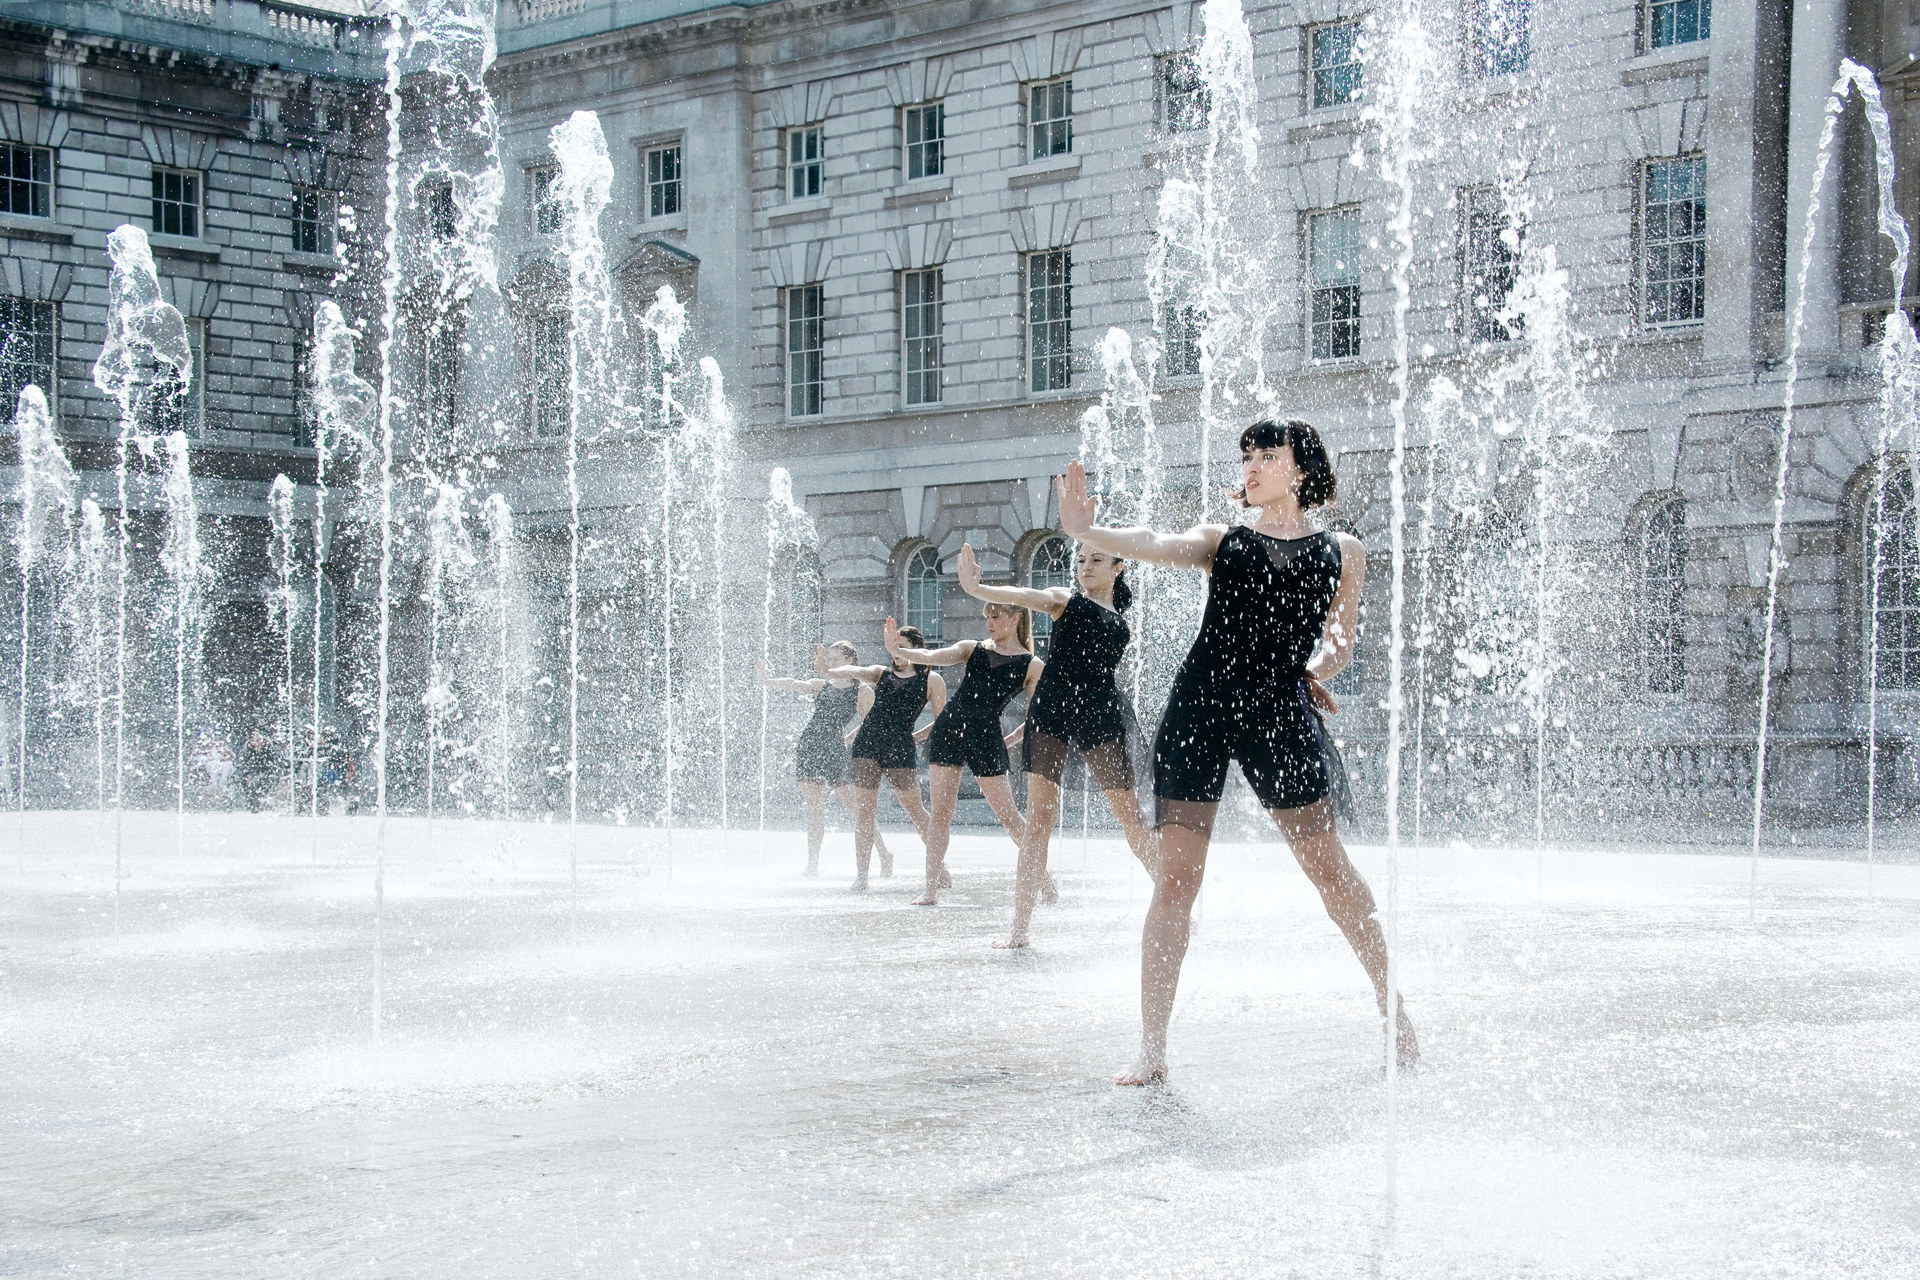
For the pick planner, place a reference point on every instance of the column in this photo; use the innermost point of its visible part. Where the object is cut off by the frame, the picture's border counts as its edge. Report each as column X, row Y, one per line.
column 1732, row 195
column 1819, row 28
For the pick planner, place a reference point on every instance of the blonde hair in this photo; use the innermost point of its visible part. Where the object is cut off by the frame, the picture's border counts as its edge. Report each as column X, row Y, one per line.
column 1024, row 629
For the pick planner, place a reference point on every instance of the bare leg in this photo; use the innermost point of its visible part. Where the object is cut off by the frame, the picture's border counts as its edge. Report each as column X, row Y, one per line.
column 999, row 794
column 848, row 796
column 814, row 793
column 866, row 805
column 906, row 789
column 1144, row 843
column 1043, row 806
column 1163, row 942
column 944, row 790
column 1316, row 846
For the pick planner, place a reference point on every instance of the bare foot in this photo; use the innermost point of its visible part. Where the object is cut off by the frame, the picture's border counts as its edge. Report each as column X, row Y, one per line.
column 813, row 870
column 1143, row 1072
column 946, row 878
column 860, row 885
column 1011, row 944
column 1406, row 1044
column 1049, row 891
column 886, row 866
column 926, row 900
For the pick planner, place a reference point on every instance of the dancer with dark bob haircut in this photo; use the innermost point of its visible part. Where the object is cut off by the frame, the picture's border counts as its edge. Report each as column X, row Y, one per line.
column 1283, row 597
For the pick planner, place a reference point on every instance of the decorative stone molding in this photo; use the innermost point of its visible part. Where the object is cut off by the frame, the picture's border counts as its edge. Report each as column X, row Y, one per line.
column 177, row 148
column 653, row 264
column 1665, row 129
column 1049, row 54
column 324, row 170
column 32, row 125
column 65, row 56
column 34, row 279
column 1174, row 30
column 197, row 299
column 1050, row 226
column 268, row 90
column 922, row 80
column 923, row 245
column 803, row 263
column 797, row 104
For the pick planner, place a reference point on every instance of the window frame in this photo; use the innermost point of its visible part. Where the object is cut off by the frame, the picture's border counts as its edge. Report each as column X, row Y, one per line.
column 1316, row 101
column 1651, row 12
column 1662, row 620
column 440, row 210
column 1058, row 361
column 1196, row 97
column 1480, row 324
column 916, row 611
column 814, row 165
column 1181, row 325
column 324, row 222
column 1901, row 515
column 1483, row 61
column 1643, row 273
column 1031, row 576
column 925, row 149
column 1350, row 323
column 661, row 190
column 545, row 217
column 927, row 342
column 1059, row 126
column 10, row 385
column 33, row 184
column 808, row 392
column 545, row 333
column 197, row 207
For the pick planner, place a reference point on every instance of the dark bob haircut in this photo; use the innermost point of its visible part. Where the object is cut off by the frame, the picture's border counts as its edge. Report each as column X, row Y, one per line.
column 914, row 640
column 1317, row 481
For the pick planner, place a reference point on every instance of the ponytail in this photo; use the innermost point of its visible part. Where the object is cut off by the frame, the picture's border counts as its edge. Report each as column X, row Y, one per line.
column 1122, row 593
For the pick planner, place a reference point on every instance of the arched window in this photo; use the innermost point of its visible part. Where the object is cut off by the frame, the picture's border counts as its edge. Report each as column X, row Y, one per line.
column 1663, row 584
column 806, row 590
column 1893, row 555
column 926, row 594
column 1050, row 565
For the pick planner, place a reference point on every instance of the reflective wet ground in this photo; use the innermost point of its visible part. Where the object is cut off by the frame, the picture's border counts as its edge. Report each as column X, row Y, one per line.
column 732, row 1070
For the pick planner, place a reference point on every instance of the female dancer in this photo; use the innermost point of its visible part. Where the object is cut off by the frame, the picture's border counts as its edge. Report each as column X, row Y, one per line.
column 967, row 733
column 820, row 760
column 885, row 745
column 1279, row 623
column 1075, row 707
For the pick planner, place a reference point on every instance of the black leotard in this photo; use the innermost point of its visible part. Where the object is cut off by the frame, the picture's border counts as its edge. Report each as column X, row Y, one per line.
column 820, row 752
column 1239, row 694
column 886, row 735
column 968, row 731
column 1076, row 705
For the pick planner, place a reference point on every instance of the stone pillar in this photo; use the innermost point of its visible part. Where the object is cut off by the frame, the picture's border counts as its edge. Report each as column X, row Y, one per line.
column 1733, row 196
column 1819, row 31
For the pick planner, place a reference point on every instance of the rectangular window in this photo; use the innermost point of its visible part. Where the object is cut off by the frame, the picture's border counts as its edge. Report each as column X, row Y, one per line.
column 176, row 202
column 543, row 361
column 1333, row 278
column 1050, row 118
column 443, row 216
column 1050, row 320
column 1674, row 218
column 27, row 345
column 1184, row 101
column 805, row 169
column 663, row 181
column 920, row 334
column 543, row 208
column 312, row 220
column 1672, row 22
column 440, row 349
column 1501, row 43
column 1491, row 262
column 805, row 350
column 1184, row 323
column 1333, row 63
column 306, row 409
column 26, row 182
column 926, row 134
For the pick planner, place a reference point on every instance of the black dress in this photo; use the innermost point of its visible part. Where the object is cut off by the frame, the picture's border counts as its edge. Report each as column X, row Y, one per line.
column 1077, row 706
column 820, row 753
column 886, row 735
column 1240, row 694
column 967, row 734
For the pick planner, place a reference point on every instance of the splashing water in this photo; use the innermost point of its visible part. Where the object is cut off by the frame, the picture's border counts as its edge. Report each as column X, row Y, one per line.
column 498, row 516
column 182, row 557
column 713, row 437
column 449, row 559
column 789, row 528
column 283, row 608
column 145, row 357
column 666, row 324
column 45, row 495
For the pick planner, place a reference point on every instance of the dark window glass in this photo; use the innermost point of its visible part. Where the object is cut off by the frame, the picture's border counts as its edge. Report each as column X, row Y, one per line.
column 312, row 221
column 920, row 334
column 663, row 182
column 1492, row 262
column 1333, row 54
column 27, row 346
column 176, row 203
column 1501, row 43
column 1679, row 21
column 1050, row 118
column 806, row 174
column 926, row 595
column 1333, row 270
column 26, row 181
column 1663, row 583
column 926, row 131
column 805, row 351
column 1185, row 323
column 1675, row 241
column 1184, row 101
column 1051, row 566
column 1050, row 320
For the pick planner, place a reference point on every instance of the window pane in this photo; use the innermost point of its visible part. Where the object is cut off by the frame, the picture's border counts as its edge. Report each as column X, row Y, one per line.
column 920, row 331
column 926, row 131
column 1502, row 45
column 1334, row 63
column 1492, row 262
column 926, row 595
column 1051, row 566
column 1049, row 320
column 1679, row 21
column 1333, row 268
column 1184, row 324
column 1184, row 101
column 805, row 364
column 1663, row 572
column 26, row 347
column 1674, row 251
column 1050, row 113
column 26, row 181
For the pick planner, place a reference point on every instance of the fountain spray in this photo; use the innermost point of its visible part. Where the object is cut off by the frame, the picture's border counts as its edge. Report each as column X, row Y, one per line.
column 46, row 509
column 145, row 354
column 666, row 321
column 283, row 605
column 180, row 555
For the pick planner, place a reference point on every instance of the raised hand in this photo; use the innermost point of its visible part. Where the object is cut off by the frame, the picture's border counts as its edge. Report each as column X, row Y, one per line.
column 1077, row 506
column 969, row 568
column 892, row 635
column 820, row 660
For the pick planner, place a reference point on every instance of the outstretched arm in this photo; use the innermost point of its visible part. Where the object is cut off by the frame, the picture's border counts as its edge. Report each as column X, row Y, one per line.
column 958, row 651
column 1342, row 630
column 863, row 703
column 1052, row 601
column 1190, row 550
column 786, row 685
